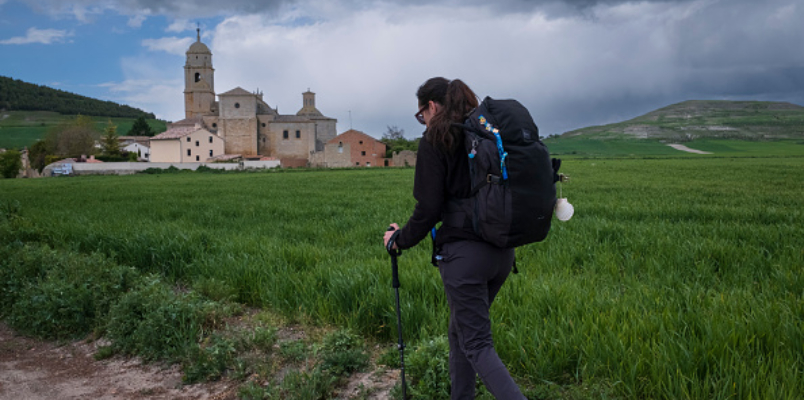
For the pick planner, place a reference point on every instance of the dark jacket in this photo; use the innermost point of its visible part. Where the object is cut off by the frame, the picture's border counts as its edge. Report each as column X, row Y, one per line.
column 440, row 176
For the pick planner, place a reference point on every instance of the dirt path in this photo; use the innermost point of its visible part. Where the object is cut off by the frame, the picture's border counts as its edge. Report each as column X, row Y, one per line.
column 687, row 149
column 32, row 370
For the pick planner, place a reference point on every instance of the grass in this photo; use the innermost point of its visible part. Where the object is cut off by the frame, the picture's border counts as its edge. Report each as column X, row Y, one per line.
column 23, row 128
column 590, row 147
column 676, row 278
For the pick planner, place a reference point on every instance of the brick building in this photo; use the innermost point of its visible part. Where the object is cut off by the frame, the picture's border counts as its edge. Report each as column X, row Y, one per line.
column 351, row 149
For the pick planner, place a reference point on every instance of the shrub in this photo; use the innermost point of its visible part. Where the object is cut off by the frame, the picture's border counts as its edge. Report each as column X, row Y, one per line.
column 253, row 391
column 342, row 353
column 155, row 323
column 428, row 370
column 56, row 294
column 10, row 164
column 209, row 362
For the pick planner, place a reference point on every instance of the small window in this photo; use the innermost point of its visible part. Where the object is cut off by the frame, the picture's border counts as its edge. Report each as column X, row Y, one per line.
column 197, row 76
column 263, row 124
column 298, row 134
column 197, row 158
column 361, row 142
column 285, row 134
column 386, row 163
column 188, row 139
column 357, row 163
column 210, row 139
column 198, row 143
column 189, row 153
column 214, row 125
column 210, row 153
column 368, row 164
column 340, row 147
column 237, row 105
column 362, row 153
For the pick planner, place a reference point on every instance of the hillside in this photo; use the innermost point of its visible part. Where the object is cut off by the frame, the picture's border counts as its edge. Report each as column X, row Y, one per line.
column 697, row 119
column 16, row 95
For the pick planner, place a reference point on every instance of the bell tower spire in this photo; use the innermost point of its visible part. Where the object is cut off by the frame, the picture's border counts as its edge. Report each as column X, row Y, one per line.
column 199, row 80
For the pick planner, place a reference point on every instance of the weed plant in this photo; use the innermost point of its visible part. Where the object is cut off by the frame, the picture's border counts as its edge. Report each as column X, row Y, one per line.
column 676, row 278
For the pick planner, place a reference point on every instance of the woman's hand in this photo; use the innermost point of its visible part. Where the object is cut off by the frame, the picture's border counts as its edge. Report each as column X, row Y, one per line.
column 388, row 235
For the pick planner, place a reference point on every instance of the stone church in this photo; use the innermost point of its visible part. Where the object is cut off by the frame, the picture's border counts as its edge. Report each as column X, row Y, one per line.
column 247, row 125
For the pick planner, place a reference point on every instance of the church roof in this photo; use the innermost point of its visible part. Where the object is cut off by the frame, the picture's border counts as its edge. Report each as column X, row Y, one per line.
column 238, row 91
column 198, row 47
column 351, row 132
column 309, row 111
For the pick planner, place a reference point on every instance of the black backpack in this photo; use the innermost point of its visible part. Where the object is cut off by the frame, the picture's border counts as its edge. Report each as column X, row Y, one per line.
column 513, row 177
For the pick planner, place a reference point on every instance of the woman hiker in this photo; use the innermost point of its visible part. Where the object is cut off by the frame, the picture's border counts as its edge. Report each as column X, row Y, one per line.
column 472, row 270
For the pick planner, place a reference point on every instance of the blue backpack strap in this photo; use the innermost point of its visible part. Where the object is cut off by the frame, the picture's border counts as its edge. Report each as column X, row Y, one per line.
column 434, row 257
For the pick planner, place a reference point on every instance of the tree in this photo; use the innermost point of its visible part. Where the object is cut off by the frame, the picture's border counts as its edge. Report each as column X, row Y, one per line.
column 37, row 153
column 109, row 142
column 10, row 163
column 394, row 139
column 394, row 133
column 73, row 138
column 140, row 128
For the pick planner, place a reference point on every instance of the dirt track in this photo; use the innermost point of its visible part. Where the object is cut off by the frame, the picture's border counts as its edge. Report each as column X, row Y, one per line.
column 32, row 370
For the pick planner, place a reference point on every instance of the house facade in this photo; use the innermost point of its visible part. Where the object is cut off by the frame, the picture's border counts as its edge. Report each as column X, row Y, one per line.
column 186, row 141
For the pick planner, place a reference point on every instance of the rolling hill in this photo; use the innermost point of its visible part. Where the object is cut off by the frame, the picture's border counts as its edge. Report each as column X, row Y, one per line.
column 707, row 119
column 29, row 111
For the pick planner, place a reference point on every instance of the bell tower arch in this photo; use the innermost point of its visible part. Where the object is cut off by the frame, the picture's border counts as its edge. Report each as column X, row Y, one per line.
column 199, row 80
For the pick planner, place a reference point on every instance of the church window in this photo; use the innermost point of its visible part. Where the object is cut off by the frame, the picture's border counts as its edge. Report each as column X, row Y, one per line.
column 285, row 134
column 362, row 153
column 197, row 76
column 340, row 147
column 197, row 143
column 210, row 153
column 189, row 153
column 298, row 134
column 197, row 158
column 237, row 105
column 188, row 139
column 210, row 139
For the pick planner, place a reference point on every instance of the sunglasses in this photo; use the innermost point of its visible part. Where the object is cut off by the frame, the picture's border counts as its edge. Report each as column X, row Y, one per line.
column 419, row 116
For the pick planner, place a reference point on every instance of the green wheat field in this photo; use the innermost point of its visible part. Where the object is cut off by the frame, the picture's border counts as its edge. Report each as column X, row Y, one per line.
column 677, row 278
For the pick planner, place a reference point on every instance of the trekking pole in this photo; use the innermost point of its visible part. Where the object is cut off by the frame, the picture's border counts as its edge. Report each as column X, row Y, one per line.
column 395, row 274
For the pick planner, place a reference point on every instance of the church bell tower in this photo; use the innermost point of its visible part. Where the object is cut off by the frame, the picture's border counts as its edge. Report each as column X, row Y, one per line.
column 199, row 80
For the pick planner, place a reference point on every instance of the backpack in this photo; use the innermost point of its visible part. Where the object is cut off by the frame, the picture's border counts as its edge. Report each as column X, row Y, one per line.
column 512, row 177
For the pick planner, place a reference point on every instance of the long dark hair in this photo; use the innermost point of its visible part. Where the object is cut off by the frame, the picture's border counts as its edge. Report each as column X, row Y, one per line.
column 456, row 101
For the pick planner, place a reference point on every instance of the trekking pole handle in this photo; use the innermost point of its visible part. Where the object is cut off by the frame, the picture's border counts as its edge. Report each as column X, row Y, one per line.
column 394, row 253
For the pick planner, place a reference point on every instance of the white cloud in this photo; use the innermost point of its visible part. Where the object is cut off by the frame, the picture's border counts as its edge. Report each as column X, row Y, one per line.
column 41, row 36
column 172, row 45
column 137, row 20
column 180, row 25
column 615, row 60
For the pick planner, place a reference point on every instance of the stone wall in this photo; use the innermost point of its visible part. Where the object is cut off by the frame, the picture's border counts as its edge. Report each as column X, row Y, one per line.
column 404, row 158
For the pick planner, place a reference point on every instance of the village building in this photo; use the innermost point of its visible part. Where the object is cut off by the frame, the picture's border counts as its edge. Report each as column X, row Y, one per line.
column 186, row 141
column 352, row 149
column 245, row 124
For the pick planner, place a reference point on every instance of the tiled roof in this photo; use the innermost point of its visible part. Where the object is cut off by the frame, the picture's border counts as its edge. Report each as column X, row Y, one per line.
column 238, row 91
column 176, row 132
column 351, row 132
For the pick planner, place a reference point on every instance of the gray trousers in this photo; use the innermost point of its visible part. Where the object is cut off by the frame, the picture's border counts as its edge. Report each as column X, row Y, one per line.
column 473, row 273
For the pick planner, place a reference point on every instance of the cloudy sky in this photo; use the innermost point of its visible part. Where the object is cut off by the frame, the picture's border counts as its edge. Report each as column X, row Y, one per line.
column 573, row 63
